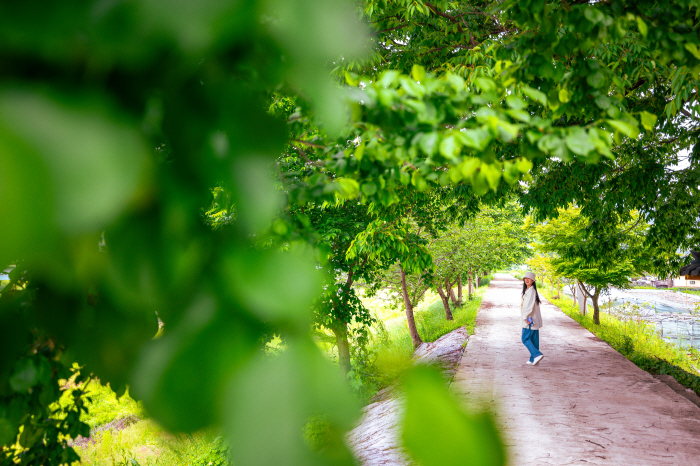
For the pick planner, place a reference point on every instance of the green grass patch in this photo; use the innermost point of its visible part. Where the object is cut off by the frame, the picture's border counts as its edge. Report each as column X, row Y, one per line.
column 146, row 444
column 103, row 405
column 391, row 348
column 686, row 290
column 638, row 341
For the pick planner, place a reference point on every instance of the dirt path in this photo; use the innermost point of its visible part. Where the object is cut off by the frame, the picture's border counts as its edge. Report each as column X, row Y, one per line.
column 583, row 404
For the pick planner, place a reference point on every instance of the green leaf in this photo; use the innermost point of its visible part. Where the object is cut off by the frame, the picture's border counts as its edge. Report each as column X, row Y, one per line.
column 521, row 115
column 412, row 87
column 515, row 102
column 579, row 142
column 417, row 72
column 477, row 139
column 523, row 165
column 553, row 145
column 469, row 166
column 648, row 120
column 692, row 48
column 485, row 84
column 449, row 147
column 389, row 78
column 564, row 96
column 534, row 94
column 24, row 376
column 352, row 79
column 436, row 431
column 642, row 26
column 268, row 404
column 492, row 172
column 596, row 79
column 369, row 189
column 625, row 128
column 428, row 143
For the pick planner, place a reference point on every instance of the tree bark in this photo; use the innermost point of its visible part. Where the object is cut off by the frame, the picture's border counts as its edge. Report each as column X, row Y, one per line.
column 469, row 284
column 596, row 309
column 459, row 290
column 341, row 337
column 445, row 302
column 409, row 311
column 452, row 294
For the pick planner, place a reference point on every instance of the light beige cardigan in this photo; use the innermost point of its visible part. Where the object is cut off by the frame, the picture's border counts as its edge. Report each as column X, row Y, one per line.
column 530, row 308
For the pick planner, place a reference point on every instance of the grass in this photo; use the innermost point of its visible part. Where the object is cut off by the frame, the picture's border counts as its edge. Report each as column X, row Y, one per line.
column 638, row 341
column 391, row 347
column 686, row 290
column 146, row 444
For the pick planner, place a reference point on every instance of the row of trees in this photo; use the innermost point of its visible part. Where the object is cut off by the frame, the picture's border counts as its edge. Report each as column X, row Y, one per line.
column 460, row 254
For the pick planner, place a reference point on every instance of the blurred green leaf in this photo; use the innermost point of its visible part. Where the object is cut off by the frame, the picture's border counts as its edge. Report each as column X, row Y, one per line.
column 436, row 431
column 648, row 120
column 271, row 400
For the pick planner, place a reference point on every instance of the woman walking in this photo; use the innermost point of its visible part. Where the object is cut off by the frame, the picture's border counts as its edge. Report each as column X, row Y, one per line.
column 532, row 319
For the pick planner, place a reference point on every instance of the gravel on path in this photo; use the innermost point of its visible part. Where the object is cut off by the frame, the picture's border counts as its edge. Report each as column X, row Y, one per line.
column 584, row 403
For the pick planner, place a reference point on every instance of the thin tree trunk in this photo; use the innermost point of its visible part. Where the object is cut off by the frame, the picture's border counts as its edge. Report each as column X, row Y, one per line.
column 596, row 309
column 409, row 311
column 452, row 295
column 459, row 290
column 445, row 302
column 469, row 284
column 341, row 336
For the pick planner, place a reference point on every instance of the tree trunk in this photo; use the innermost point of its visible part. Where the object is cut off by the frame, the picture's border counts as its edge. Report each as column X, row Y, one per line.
column 469, row 284
column 460, row 297
column 478, row 281
column 445, row 302
column 341, row 337
column 596, row 310
column 409, row 311
column 452, row 295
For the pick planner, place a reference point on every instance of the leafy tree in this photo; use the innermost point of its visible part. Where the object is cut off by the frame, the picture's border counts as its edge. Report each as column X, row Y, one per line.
column 542, row 265
column 568, row 231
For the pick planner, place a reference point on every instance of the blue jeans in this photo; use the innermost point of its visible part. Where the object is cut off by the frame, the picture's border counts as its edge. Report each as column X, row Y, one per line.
column 531, row 340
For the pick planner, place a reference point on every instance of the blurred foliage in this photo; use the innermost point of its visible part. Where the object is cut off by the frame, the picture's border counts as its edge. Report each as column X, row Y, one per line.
column 116, row 121
column 438, row 432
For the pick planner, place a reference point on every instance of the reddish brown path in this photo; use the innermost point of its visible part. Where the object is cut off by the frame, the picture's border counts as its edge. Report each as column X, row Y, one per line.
column 583, row 404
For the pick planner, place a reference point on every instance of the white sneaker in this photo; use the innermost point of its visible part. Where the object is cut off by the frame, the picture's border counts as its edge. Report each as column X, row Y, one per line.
column 529, row 363
column 538, row 359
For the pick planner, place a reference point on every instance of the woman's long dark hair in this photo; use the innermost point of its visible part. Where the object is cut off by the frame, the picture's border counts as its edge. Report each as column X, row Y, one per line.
column 534, row 285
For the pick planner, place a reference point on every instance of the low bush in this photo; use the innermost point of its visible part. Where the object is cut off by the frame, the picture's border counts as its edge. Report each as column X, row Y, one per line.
column 485, row 280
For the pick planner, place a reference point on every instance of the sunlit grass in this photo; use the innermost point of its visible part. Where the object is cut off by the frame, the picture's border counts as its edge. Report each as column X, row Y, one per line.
column 391, row 343
column 146, row 444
